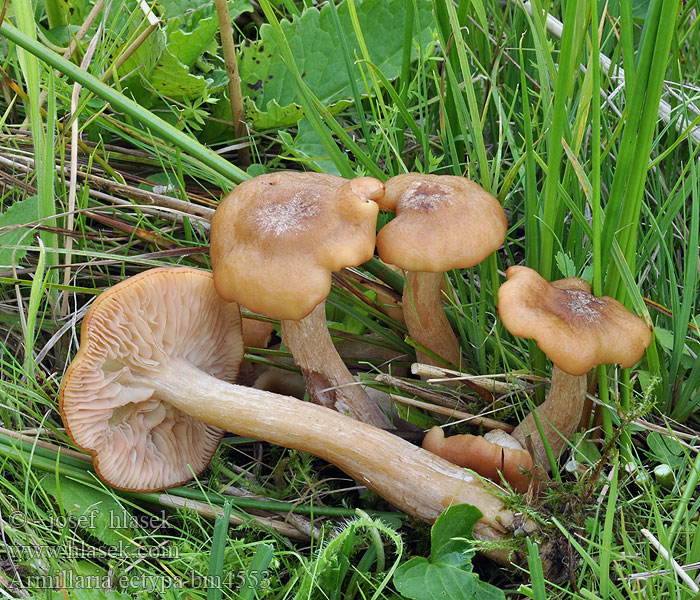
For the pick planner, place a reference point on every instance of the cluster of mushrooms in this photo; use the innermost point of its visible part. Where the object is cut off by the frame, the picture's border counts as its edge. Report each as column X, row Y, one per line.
column 153, row 386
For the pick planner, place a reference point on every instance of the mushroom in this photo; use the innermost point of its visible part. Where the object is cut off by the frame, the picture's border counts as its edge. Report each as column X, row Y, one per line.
column 442, row 222
column 577, row 331
column 275, row 240
column 144, row 396
column 495, row 455
column 256, row 333
column 134, row 333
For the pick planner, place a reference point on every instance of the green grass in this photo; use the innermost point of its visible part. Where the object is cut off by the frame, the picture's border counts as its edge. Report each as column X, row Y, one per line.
column 594, row 184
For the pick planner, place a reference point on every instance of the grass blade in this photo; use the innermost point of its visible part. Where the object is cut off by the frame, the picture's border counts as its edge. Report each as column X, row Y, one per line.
column 159, row 127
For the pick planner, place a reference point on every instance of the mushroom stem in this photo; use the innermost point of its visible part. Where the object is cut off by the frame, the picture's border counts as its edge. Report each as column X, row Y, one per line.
column 412, row 479
column 559, row 415
column 426, row 320
column 328, row 380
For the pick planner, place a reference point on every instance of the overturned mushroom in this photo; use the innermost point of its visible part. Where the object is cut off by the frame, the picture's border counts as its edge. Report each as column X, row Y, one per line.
column 577, row 331
column 145, row 384
column 442, row 222
column 133, row 333
column 275, row 240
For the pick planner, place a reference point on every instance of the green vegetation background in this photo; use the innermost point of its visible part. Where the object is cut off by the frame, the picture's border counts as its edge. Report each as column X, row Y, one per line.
column 594, row 160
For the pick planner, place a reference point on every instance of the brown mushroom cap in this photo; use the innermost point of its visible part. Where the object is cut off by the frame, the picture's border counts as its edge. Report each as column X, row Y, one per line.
column 442, row 222
column 256, row 334
column 276, row 239
column 129, row 333
column 575, row 329
column 495, row 456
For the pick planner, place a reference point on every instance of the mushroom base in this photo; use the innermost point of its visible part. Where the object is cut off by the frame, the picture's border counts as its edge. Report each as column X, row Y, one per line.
column 488, row 458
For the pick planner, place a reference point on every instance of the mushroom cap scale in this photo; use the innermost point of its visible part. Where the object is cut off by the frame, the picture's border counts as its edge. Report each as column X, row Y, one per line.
column 442, row 222
column 575, row 329
column 276, row 239
column 128, row 335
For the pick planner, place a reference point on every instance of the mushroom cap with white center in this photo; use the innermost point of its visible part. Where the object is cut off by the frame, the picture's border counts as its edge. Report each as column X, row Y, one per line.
column 133, row 332
column 575, row 329
column 442, row 222
column 276, row 239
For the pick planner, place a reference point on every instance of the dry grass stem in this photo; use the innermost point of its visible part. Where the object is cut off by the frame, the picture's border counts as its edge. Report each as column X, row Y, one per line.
column 457, row 414
column 203, row 213
column 489, row 382
column 48, row 445
column 211, row 512
column 73, row 186
column 234, row 80
column 665, row 554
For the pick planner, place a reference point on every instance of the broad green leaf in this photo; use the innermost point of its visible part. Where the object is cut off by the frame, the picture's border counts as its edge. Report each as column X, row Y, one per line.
column 275, row 115
column 565, row 264
column 171, row 78
column 448, row 572
column 313, row 38
column 24, row 211
column 144, row 60
column 193, row 32
column 665, row 450
column 193, row 10
column 448, row 535
column 94, row 511
column 307, row 147
column 72, row 12
column 166, row 61
column 187, row 46
column 639, row 8
column 691, row 347
column 177, row 8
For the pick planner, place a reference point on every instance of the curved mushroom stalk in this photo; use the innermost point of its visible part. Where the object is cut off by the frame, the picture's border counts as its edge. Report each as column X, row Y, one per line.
column 328, row 380
column 494, row 455
column 426, row 320
column 144, row 396
column 559, row 415
column 412, row 479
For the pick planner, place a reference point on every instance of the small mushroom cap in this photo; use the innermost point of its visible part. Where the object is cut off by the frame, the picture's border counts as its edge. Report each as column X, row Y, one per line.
column 256, row 334
column 276, row 239
column 575, row 329
column 442, row 222
column 131, row 334
column 488, row 457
